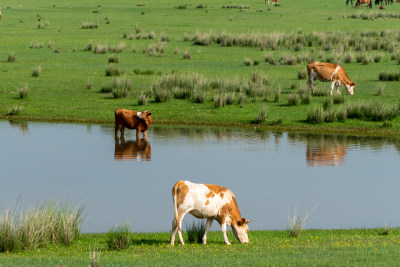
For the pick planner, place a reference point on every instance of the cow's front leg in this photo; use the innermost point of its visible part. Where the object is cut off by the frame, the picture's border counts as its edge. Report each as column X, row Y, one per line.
column 145, row 135
column 310, row 85
column 208, row 226
column 138, row 130
column 223, row 229
column 332, row 85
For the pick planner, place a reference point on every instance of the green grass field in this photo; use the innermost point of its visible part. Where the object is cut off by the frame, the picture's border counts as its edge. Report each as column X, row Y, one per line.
column 363, row 247
column 60, row 92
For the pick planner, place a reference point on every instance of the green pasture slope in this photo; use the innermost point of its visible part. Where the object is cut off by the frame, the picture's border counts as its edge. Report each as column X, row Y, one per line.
column 266, row 248
column 60, row 92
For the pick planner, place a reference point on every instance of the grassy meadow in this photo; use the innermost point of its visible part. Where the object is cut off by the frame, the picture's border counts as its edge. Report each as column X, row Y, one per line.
column 59, row 62
column 360, row 247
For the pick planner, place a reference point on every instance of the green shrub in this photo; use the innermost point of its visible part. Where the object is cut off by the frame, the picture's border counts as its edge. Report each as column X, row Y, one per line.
column 23, row 92
column 119, row 237
column 195, row 232
column 293, row 99
column 316, row 115
column 36, row 71
column 262, row 115
column 112, row 70
column 11, row 57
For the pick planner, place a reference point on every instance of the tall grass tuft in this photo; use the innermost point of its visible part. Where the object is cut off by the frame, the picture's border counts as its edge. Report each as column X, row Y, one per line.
column 11, row 57
column 316, row 115
column 23, row 91
column 381, row 88
column 119, row 237
column 36, row 71
column 301, row 74
column 262, row 115
column 296, row 223
column 143, row 98
column 90, row 24
column 338, row 99
column 293, row 99
column 328, row 104
column 195, row 232
column 29, row 228
column 277, row 95
column 388, row 76
column 94, row 256
column 113, row 59
column 112, row 70
column 120, row 87
column 15, row 110
column 372, row 111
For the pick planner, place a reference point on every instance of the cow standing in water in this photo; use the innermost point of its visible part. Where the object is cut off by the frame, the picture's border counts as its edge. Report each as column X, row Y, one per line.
column 328, row 72
column 125, row 118
column 207, row 201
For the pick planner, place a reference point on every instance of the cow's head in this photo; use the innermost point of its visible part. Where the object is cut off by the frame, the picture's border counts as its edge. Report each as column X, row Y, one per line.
column 146, row 116
column 350, row 88
column 240, row 229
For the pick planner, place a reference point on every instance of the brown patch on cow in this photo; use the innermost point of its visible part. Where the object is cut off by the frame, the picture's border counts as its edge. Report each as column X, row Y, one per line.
column 207, row 202
column 181, row 191
column 216, row 188
column 210, row 194
column 221, row 195
column 235, row 213
column 224, row 212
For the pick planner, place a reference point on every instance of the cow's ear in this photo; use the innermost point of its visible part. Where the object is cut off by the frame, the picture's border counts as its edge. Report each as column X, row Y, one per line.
column 239, row 223
column 353, row 83
column 247, row 221
column 149, row 114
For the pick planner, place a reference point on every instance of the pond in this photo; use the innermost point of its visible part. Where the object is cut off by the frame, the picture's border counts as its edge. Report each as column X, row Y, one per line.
column 344, row 181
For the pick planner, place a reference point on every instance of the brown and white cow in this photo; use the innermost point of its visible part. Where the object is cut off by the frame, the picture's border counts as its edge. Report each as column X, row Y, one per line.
column 125, row 118
column 207, row 201
column 363, row 2
column 328, row 72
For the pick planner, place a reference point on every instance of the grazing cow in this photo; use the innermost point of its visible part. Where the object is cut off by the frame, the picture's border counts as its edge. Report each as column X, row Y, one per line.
column 1, row 16
column 363, row 2
column 130, row 119
column 328, row 72
column 207, row 201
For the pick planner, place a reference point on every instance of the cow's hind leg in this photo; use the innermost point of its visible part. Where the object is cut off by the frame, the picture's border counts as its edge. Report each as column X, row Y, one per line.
column 332, row 85
column 173, row 232
column 208, row 226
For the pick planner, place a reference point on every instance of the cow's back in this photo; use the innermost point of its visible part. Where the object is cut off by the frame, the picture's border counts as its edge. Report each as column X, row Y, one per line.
column 322, row 70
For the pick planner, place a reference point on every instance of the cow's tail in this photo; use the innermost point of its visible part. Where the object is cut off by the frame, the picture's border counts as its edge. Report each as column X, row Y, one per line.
column 175, row 191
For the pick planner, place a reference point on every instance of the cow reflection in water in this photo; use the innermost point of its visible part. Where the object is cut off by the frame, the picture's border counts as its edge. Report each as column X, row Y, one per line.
column 139, row 150
column 325, row 155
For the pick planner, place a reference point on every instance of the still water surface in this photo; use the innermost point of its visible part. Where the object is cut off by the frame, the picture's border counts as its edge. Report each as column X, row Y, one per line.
column 355, row 181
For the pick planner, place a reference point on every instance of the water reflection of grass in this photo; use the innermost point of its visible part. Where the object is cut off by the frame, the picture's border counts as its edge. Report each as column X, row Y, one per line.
column 275, row 248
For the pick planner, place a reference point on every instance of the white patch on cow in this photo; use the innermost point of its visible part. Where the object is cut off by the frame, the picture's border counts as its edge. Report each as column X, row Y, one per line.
column 335, row 71
column 139, row 114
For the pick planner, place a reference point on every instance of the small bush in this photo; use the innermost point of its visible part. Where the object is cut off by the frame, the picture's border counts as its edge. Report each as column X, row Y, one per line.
column 328, row 104
column 262, row 115
column 14, row 111
column 36, row 71
column 11, row 57
column 302, row 74
column 248, row 62
column 338, row 99
column 186, row 54
column 389, row 76
column 120, row 87
column 23, row 92
column 305, row 98
column 381, row 88
column 119, row 237
column 90, row 24
column 113, row 59
column 198, row 96
column 112, row 70
column 143, row 98
column 293, row 99
column 316, row 115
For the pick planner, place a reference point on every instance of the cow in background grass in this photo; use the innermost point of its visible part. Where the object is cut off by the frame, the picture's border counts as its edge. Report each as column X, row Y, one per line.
column 363, row 2
column 1, row 16
column 328, row 72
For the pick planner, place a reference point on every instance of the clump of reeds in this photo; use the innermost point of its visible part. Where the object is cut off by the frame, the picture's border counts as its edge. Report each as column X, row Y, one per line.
column 198, row 96
column 90, row 24
column 113, row 59
column 119, row 237
column 23, row 91
column 328, row 104
column 88, row 84
column 186, row 54
column 319, row 92
column 143, row 98
column 372, row 111
column 11, row 57
column 195, row 232
column 338, row 99
column 388, row 76
column 112, row 70
column 164, row 37
column 15, row 110
column 36, row 71
column 305, row 97
column 293, row 99
column 341, row 115
column 248, row 62
column 29, row 228
column 220, row 100
column 156, row 49
column 381, row 88
column 94, row 256
column 296, row 223
column 120, row 87
column 100, row 49
column 36, row 45
column 277, row 95
column 316, row 115
column 262, row 115
column 242, row 100
column 301, row 74
column 161, row 94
